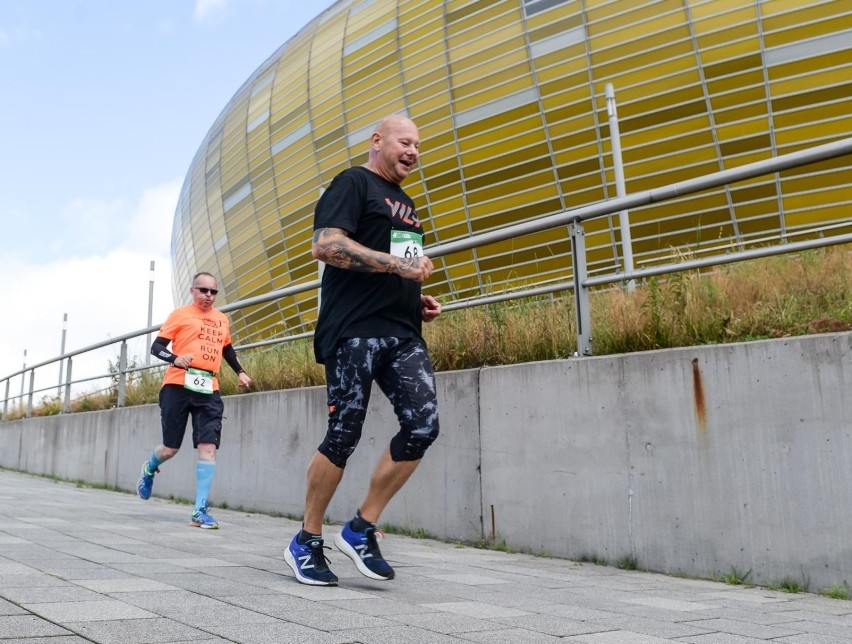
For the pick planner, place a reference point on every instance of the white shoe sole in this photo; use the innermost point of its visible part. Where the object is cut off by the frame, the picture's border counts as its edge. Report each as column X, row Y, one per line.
column 194, row 524
column 350, row 552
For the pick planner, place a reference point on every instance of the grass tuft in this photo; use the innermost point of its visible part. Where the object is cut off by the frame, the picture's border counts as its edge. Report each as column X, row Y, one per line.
column 788, row 585
column 591, row 558
column 735, row 577
column 416, row 533
column 627, row 562
column 837, row 591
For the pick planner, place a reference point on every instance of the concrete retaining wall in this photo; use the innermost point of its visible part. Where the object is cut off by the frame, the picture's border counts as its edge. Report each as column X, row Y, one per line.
column 690, row 460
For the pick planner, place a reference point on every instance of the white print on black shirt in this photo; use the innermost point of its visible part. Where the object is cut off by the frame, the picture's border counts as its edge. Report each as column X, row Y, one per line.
column 404, row 212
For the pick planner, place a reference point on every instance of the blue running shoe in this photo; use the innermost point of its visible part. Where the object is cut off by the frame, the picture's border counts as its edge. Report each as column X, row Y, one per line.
column 146, row 482
column 363, row 549
column 200, row 519
column 308, row 562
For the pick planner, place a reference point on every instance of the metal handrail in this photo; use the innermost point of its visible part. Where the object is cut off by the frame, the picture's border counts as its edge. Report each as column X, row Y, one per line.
column 573, row 218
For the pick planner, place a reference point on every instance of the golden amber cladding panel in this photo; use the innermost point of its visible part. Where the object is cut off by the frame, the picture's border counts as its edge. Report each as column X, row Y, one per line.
column 604, row 16
column 509, row 97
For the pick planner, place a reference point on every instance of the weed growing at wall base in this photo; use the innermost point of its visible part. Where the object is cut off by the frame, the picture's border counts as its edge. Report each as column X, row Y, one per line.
column 627, row 562
column 598, row 561
column 735, row 577
column 789, row 585
column 837, row 591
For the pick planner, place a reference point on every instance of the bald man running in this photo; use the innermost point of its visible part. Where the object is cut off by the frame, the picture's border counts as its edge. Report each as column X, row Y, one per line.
column 368, row 233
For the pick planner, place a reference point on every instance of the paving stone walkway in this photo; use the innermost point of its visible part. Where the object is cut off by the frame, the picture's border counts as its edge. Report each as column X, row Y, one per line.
column 86, row 565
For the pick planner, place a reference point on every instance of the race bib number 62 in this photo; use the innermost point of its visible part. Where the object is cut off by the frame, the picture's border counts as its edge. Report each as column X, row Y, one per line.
column 198, row 380
column 406, row 244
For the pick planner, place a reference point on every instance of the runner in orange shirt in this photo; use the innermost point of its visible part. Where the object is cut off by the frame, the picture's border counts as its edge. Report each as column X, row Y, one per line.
column 200, row 337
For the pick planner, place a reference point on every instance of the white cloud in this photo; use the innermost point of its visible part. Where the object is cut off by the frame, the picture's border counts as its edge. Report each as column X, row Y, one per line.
column 92, row 223
column 209, row 9
column 105, row 295
column 88, row 226
column 150, row 226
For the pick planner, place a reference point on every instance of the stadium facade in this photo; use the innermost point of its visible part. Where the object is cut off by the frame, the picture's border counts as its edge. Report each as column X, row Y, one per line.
column 510, row 99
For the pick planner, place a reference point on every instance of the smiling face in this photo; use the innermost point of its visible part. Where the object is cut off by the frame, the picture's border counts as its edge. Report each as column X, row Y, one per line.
column 394, row 148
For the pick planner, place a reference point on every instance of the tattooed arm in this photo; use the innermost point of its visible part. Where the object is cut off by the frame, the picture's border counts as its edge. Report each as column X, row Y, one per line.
column 334, row 247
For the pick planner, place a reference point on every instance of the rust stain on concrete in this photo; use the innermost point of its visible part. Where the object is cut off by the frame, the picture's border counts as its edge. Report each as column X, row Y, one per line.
column 698, row 395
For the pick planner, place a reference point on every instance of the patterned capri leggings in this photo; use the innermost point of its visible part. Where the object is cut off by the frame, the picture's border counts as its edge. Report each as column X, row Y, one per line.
column 402, row 369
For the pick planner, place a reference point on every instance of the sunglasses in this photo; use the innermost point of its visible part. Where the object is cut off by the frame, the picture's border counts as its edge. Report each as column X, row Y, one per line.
column 205, row 291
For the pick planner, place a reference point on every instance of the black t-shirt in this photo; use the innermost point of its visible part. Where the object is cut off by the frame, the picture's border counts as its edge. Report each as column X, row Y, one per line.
column 355, row 304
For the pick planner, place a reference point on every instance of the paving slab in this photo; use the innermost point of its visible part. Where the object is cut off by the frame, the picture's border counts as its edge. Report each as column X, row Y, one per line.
column 81, row 565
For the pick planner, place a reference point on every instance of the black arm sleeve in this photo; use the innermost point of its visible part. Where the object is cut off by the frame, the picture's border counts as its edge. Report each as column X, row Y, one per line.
column 231, row 358
column 158, row 349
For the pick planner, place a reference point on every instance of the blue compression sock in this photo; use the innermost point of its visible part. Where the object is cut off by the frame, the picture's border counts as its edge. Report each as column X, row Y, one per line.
column 204, row 477
column 154, row 462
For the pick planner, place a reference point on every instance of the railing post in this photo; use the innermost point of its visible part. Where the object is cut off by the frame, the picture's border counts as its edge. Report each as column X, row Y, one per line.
column 61, row 353
column 23, row 381
column 6, row 400
column 150, row 314
column 66, row 407
column 122, row 374
column 620, row 189
column 581, row 293
column 30, row 396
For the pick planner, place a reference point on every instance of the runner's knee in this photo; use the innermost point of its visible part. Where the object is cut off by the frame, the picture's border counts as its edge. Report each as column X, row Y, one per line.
column 412, row 445
column 339, row 445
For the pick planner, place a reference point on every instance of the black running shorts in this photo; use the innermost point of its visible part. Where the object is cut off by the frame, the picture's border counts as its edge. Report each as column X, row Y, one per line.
column 177, row 404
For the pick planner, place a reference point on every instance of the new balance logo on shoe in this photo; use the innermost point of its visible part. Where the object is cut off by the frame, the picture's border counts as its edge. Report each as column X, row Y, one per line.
column 363, row 549
column 308, row 562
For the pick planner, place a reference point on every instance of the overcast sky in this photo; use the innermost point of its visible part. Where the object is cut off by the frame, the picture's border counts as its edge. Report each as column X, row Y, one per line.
column 104, row 104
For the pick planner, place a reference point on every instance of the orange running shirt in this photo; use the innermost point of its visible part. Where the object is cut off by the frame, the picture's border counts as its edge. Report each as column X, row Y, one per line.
column 204, row 335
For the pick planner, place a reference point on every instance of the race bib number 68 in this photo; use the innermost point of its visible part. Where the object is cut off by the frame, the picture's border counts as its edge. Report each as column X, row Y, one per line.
column 406, row 244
